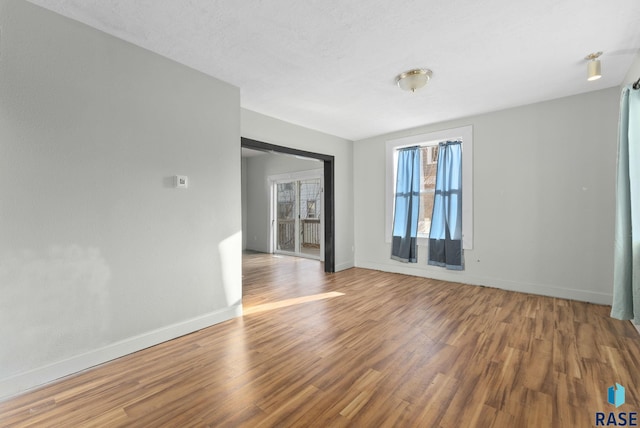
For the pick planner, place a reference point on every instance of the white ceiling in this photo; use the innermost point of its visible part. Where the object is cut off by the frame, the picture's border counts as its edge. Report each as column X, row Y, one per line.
column 330, row 64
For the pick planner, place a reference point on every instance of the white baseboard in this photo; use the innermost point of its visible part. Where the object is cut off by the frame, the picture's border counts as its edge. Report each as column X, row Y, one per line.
column 344, row 266
column 522, row 287
column 22, row 382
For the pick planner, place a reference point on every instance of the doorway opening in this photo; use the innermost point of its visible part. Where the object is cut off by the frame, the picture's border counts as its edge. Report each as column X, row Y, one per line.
column 325, row 211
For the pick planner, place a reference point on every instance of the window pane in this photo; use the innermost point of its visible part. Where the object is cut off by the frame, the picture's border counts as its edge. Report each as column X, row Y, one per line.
column 427, row 191
column 310, row 198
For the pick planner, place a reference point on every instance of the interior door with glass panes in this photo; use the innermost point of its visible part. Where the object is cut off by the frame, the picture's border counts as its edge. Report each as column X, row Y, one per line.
column 286, row 216
column 298, row 229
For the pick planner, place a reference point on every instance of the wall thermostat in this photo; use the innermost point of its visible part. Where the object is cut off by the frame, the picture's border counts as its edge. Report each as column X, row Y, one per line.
column 180, row 181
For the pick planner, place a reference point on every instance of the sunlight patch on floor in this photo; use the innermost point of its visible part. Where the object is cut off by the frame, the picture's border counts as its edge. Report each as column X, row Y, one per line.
column 290, row 302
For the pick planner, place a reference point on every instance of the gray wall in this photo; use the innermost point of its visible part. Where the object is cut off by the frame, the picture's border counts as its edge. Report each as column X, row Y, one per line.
column 544, row 178
column 634, row 72
column 258, row 203
column 99, row 255
column 269, row 130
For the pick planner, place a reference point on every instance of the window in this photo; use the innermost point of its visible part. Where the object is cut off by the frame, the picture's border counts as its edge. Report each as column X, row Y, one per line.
column 429, row 151
column 429, row 154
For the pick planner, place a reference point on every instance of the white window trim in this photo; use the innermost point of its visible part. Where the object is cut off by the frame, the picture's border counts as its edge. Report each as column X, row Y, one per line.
column 464, row 133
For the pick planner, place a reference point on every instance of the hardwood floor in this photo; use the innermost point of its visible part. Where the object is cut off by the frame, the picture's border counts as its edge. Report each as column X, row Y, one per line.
column 360, row 348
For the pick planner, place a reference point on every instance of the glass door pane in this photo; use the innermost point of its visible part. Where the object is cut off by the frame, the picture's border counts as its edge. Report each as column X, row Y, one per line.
column 286, row 216
column 310, row 208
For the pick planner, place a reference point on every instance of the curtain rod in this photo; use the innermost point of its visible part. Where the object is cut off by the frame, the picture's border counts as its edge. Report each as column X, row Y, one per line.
column 637, row 84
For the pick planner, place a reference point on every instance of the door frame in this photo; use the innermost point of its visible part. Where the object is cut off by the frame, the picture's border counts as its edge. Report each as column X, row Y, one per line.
column 329, row 184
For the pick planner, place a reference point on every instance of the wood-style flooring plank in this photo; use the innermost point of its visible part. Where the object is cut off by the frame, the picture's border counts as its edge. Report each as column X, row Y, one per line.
column 359, row 348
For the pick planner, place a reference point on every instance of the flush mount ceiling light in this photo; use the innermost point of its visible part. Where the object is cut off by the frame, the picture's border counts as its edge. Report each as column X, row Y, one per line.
column 593, row 66
column 413, row 79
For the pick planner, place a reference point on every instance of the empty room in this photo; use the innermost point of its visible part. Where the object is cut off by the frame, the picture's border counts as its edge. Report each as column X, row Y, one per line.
column 327, row 214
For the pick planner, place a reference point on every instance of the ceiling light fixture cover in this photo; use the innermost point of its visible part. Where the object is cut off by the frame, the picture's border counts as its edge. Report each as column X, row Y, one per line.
column 593, row 66
column 413, row 79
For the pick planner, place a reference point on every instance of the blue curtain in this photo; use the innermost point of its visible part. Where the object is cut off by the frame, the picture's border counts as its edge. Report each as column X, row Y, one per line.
column 445, row 236
column 407, row 202
column 626, row 270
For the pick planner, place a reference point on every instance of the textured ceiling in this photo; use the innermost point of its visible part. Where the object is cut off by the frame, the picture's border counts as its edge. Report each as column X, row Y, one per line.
column 330, row 65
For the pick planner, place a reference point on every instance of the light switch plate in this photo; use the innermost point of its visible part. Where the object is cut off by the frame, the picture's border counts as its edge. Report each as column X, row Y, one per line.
column 181, row 181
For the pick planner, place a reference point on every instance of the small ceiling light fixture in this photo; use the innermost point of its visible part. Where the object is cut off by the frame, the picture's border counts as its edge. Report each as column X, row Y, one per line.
column 593, row 66
column 413, row 79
